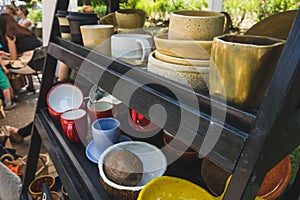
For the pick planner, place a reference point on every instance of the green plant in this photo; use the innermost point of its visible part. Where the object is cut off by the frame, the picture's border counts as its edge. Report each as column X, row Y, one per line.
column 270, row 7
column 100, row 10
column 35, row 15
column 295, row 160
column 160, row 9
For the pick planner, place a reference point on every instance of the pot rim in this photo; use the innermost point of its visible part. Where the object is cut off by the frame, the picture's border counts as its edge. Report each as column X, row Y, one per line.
column 276, row 41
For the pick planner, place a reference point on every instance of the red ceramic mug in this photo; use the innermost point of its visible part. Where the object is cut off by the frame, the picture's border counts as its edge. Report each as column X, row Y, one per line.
column 74, row 124
column 63, row 97
column 101, row 109
column 139, row 122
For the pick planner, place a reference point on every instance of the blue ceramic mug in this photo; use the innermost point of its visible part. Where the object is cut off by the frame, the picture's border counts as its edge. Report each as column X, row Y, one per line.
column 106, row 132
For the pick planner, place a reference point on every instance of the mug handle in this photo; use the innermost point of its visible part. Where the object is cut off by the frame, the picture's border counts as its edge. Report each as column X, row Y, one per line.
column 116, row 110
column 228, row 25
column 70, row 130
column 146, row 48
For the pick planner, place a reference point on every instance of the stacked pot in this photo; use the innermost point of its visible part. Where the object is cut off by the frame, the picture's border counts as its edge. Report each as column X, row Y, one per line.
column 183, row 54
column 70, row 23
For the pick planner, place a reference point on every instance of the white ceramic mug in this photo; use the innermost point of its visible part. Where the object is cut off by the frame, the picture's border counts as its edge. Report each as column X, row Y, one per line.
column 106, row 132
column 134, row 48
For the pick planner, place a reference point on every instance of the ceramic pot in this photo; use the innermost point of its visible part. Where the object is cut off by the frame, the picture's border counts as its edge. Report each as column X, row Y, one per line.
column 181, row 61
column 275, row 181
column 64, row 26
column 97, row 37
column 187, row 49
column 197, row 25
column 193, row 76
column 76, row 19
column 130, row 18
column 177, row 149
column 241, row 68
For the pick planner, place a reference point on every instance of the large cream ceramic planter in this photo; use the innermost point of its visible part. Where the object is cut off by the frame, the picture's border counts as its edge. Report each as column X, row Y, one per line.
column 193, row 76
column 241, row 68
column 196, row 25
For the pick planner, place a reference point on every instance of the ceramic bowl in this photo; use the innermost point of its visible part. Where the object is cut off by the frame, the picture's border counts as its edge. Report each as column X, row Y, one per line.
column 63, row 97
column 154, row 165
column 275, row 181
column 177, row 148
column 167, row 187
column 181, row 61
column 187, row 49
column 36, row 186
column 193, row 76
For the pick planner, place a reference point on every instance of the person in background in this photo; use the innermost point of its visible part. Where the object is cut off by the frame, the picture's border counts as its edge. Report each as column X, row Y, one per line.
column 18, row 135
column 22, row 12
column 13, row 2
column 4, row 84
column 11, row 10
column 16, row 39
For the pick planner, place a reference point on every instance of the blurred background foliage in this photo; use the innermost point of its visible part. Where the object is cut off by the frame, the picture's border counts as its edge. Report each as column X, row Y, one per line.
column 244, row 13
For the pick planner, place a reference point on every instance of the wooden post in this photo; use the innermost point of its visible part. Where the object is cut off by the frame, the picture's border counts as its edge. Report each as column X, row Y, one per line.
column 215, row 5
column 112, row 6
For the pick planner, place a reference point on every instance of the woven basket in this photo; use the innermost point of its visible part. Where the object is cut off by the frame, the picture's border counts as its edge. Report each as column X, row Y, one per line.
column 18, row 165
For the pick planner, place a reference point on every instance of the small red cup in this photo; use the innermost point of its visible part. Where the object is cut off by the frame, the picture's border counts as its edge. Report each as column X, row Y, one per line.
column 101, row 109
column 140, row 123
column 74, row 124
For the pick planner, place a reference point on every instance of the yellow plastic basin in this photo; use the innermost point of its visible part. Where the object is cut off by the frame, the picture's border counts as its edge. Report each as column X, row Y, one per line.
column 172, row 188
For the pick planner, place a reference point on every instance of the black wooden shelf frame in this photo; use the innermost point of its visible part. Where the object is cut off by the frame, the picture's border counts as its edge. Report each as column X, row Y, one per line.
column 250, row 143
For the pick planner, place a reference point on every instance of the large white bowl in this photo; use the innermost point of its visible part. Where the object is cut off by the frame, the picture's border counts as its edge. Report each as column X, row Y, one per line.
column 154, row 165
column 193, row 76
column 63, row 97
column 189, row 49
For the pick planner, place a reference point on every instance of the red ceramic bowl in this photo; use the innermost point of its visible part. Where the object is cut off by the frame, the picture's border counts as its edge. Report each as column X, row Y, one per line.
column 63, row 97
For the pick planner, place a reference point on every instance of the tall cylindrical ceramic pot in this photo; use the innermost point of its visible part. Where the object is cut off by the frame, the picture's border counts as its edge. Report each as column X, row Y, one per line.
column 241, row 68
column 76, row 19
column 64, row 26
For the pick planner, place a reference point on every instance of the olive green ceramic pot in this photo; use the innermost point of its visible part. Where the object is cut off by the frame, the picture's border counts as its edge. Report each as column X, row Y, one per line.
column 130, row 18
column 241, row 68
